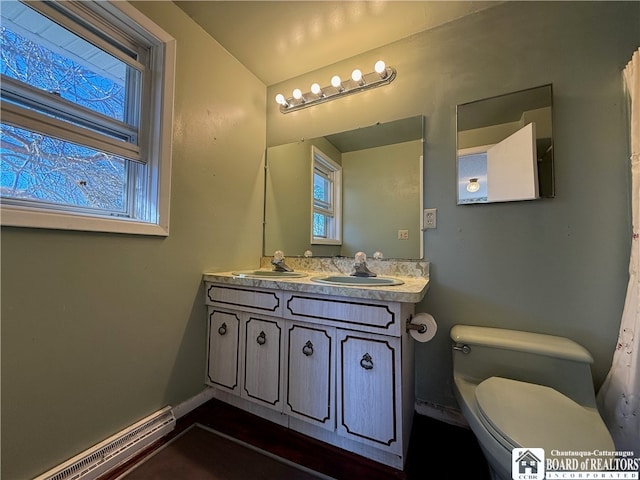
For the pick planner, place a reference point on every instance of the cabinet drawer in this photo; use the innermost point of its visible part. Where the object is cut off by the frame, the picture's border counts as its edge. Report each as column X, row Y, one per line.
column 365, row 315
column 249, row 299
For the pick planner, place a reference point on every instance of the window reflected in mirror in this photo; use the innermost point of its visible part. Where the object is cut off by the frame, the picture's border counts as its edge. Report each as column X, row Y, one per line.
column 327, row 200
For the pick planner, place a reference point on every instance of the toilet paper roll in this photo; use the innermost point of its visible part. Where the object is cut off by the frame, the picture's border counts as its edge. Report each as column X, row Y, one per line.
column 426, row 320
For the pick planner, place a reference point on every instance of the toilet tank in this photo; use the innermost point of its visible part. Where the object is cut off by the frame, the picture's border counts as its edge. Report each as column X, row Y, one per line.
column 557, row 362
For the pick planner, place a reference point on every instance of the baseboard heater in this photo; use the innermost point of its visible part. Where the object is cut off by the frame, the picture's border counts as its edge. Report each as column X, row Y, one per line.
column 116, row 449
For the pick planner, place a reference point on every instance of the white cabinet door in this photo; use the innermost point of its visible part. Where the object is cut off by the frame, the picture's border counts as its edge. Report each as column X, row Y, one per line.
column 369, row 389
column 310, row 374
column 223, row 351
column 263, row 355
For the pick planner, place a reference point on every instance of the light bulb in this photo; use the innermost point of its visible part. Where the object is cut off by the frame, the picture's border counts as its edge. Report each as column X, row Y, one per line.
column 335, row 81
column 315, row 89
column 281, row 100
column 356, row 75
column 297, row 94
column 380, row 68
column 473, row 185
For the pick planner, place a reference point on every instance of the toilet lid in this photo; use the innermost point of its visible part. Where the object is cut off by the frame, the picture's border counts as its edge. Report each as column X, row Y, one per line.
column 526, row 415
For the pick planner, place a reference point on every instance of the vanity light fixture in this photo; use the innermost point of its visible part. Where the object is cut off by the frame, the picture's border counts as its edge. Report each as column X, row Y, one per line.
column 473, row 185
column 359, row 82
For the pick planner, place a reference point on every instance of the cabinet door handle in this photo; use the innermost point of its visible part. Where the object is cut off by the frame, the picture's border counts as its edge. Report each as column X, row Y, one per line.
column 262, row 338
column 223, row 329
column 308, row 348
column 366, row 362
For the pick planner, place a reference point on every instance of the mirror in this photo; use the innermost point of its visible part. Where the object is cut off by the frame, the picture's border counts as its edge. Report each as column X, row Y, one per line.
column 381, row 186
column 505, row 147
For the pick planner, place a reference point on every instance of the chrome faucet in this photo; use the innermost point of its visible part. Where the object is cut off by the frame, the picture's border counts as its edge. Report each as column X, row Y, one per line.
column 360, row 266
column 278, row 262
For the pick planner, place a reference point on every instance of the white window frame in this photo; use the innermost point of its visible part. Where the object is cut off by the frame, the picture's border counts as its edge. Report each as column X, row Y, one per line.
column 334, row 174
column 153, row 177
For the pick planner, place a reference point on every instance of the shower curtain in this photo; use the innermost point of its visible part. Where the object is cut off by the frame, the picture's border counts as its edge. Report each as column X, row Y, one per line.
column 619, row 397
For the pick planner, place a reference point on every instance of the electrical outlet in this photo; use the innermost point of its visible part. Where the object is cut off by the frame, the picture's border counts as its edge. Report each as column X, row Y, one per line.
column 429, row 218
column 403, row 234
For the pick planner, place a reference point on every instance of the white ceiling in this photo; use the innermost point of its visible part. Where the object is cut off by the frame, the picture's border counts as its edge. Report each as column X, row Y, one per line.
column 279, row 40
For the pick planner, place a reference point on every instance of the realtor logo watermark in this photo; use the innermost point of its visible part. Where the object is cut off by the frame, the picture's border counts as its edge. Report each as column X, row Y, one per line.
column 527, row 464
column 536, row 464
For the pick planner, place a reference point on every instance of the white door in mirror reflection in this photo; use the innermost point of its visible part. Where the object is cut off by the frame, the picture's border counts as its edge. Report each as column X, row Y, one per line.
column 504, row 172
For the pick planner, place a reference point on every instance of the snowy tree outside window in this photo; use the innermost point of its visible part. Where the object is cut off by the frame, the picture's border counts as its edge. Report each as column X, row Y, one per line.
column 79, row 114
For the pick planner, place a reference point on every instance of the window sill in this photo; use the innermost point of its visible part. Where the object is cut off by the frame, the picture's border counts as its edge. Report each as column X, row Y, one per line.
column 318, row 241
column 11, row 216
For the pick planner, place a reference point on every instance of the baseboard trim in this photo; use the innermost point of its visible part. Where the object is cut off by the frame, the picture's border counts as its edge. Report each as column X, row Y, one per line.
column 192, row 403
column 446, row 414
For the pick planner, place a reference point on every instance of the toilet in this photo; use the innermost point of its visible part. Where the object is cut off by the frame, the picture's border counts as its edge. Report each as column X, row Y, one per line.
column 525, row 390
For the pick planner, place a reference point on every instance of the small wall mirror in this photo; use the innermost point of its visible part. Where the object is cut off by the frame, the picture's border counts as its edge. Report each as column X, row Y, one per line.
column 505, row 147
column 380, row 180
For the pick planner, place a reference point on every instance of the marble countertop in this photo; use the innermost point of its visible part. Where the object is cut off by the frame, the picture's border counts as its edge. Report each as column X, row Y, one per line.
column 412, row 290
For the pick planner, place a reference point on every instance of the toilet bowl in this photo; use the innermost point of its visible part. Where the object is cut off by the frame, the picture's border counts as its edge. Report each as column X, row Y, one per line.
column 525, row 390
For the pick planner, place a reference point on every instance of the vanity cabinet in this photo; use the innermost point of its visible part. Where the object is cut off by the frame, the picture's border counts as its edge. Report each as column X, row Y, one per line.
column 336, row 368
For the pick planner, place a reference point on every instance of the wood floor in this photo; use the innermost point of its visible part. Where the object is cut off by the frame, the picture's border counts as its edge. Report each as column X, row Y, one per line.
column 434, row 447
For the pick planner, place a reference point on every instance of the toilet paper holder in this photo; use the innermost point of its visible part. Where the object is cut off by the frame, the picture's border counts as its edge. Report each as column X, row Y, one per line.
column 421, row 328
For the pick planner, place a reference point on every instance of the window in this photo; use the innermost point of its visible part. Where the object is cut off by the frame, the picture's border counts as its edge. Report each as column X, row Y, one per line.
column 326, row 199
column 87, row 99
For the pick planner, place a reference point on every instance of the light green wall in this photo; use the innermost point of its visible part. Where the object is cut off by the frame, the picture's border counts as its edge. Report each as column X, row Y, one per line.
column 100, row 330
column 556, row 265
column 381, row 195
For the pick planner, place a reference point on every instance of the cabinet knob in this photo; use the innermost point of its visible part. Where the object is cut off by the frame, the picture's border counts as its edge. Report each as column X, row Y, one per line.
column 262, row 338
column 308, row 348
column 366, row 362
column 223, row 329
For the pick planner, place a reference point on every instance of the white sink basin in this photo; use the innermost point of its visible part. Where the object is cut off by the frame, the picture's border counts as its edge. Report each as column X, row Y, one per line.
column 268, row 274
column 358, row 281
